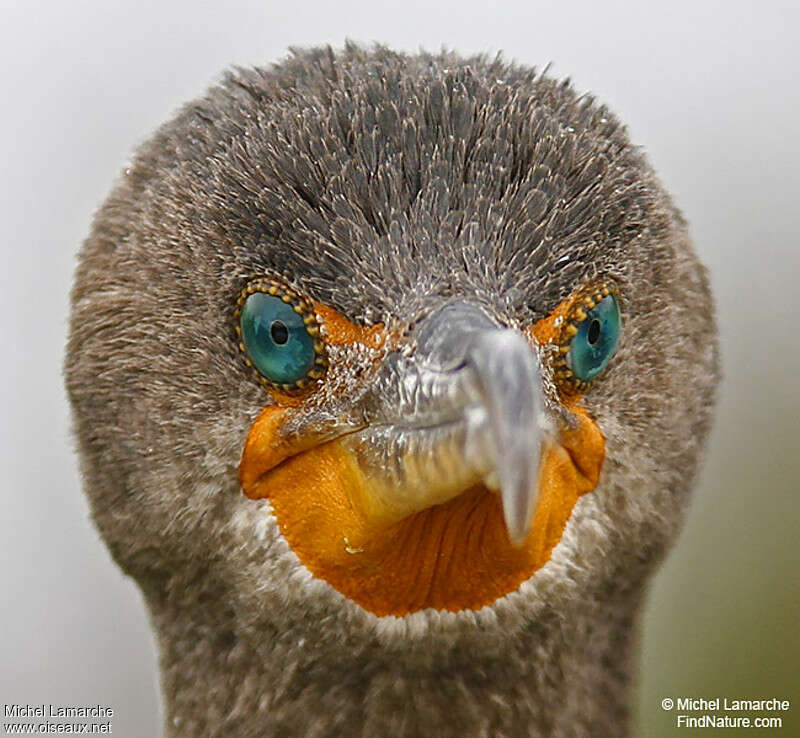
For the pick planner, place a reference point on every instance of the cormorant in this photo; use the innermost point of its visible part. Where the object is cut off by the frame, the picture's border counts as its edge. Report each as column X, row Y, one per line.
column 390, row 376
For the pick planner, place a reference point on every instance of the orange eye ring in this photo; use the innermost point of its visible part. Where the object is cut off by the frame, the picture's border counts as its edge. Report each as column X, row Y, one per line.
column 556, row 332
column 306, row 322
column 578, row 310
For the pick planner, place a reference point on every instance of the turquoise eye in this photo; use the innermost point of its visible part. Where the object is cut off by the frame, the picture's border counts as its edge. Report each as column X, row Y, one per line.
column 596, row 340
column 279, row 335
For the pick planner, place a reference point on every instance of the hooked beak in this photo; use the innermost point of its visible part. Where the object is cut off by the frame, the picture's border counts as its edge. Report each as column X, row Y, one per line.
column 465, row 408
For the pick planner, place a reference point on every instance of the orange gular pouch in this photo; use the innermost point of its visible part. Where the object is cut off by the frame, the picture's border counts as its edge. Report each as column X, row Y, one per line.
column 452, row 554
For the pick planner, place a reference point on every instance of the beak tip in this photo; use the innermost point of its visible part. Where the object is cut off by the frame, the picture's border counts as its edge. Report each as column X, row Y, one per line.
column 517, row 534
column 517, row 541
column 519, row 495
column 519, row 522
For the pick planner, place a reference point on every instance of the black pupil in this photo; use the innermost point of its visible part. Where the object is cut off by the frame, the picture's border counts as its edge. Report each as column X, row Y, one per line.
column 593, row 333
column 279, row 332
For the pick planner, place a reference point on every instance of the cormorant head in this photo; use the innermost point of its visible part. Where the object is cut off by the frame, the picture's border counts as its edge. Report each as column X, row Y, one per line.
column 367, row 335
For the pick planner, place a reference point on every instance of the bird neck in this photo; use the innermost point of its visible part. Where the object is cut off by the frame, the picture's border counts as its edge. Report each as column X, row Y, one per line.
column 556, row 676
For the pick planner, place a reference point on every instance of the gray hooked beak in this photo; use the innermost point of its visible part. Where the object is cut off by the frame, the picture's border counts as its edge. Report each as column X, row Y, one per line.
column 465, row 407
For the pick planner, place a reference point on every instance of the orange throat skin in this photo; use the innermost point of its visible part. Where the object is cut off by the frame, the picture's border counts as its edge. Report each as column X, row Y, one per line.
column 451, row 556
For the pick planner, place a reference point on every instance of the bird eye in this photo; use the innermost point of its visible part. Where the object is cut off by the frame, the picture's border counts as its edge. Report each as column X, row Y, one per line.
column 279, row 334
column 596, row 339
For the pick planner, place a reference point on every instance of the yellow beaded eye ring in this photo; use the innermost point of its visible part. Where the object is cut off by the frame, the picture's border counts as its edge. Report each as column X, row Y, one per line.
column 280, row 335
column 588, row 338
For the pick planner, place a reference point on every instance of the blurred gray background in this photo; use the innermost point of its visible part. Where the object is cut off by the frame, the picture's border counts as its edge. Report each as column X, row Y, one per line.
column 710, row 89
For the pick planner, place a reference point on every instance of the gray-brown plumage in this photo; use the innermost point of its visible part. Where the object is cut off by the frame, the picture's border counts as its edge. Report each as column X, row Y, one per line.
column 384, row 186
